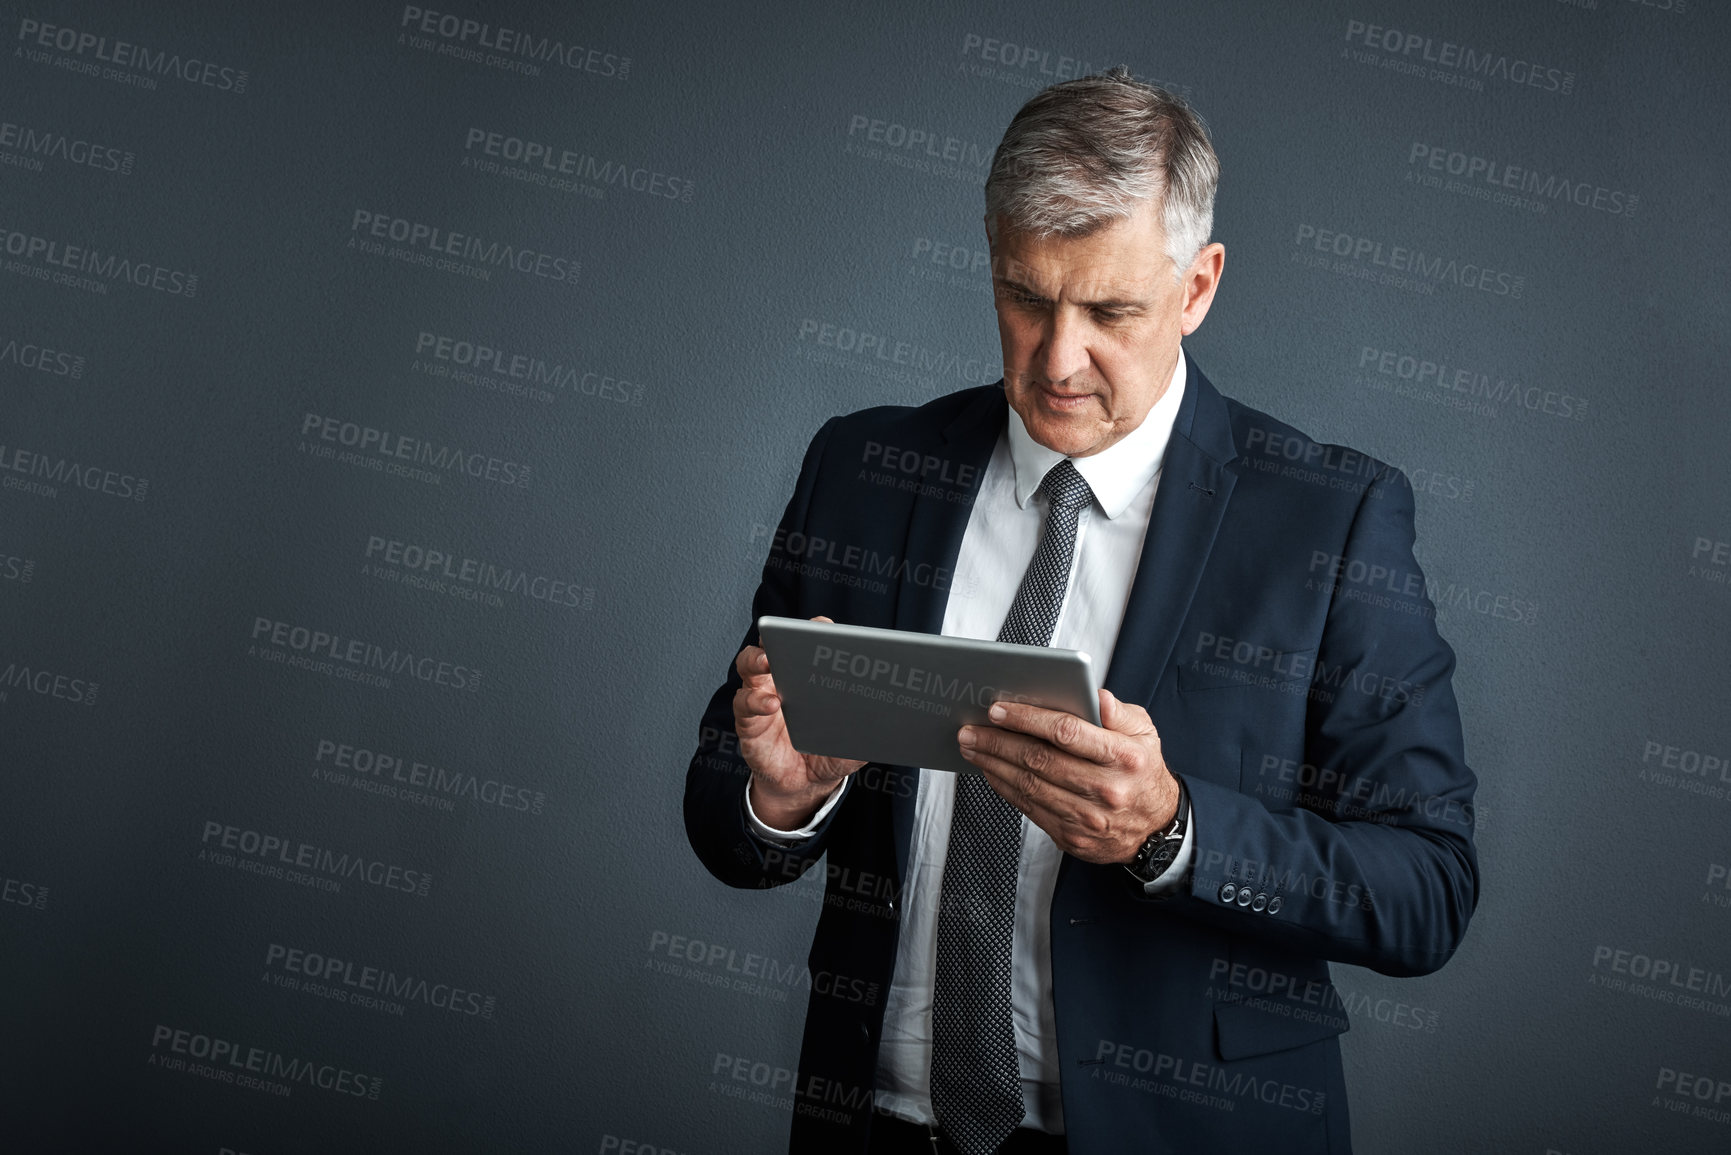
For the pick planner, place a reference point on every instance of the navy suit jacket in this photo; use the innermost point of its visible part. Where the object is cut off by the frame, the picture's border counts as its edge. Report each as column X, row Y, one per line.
column 1279, row 633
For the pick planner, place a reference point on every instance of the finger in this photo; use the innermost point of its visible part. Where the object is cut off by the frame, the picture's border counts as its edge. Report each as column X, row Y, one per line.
column 1123, row 717
column 1061, row 728
column 1061, row 769
column 753, row 666
column 755, row 727
column 758, row 696
column 1049, row 804
column 1078, row 825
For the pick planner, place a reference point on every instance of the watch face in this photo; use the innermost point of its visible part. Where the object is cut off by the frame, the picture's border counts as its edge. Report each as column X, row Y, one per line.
column 1160, row 859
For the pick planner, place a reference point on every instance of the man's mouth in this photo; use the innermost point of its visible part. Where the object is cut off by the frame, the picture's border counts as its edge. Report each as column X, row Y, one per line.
column 1065, row 401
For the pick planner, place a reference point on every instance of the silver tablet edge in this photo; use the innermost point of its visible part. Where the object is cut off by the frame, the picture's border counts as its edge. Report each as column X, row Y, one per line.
column 781, row 620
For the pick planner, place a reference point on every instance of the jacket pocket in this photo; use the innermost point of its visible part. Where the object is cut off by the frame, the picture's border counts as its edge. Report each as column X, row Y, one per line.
column 1263, row 1026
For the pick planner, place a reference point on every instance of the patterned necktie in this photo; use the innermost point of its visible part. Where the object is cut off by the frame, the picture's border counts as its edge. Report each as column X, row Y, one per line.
column 976, row 1076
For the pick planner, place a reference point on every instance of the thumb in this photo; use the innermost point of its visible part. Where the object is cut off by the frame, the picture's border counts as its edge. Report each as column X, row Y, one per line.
column 1124, row 717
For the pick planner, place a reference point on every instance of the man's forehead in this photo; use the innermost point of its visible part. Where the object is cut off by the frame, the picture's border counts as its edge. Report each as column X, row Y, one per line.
column 1122, row 258
column 1089, row 276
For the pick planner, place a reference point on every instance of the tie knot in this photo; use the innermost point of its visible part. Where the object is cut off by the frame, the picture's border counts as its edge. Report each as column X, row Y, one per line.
column 1065, row 487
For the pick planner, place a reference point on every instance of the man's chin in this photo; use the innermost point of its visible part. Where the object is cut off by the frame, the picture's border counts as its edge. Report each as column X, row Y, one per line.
column 1069, row 435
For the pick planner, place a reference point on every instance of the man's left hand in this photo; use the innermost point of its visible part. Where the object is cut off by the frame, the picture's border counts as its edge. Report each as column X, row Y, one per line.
column 1099, row 791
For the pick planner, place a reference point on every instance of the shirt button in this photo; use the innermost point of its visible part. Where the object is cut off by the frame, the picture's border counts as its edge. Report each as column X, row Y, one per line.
column 1227, row 892
column 1259, row 902
column 1244, row 896
column 1274, row 905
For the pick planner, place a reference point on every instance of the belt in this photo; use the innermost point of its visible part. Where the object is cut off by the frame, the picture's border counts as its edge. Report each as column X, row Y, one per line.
column 893, row 1135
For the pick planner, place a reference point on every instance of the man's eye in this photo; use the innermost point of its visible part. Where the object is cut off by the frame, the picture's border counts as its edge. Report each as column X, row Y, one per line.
column 1107, row 315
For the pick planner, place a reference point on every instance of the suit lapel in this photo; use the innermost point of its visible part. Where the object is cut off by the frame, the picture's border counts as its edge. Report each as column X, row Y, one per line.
column 935, row 530
column 936, row 525
column 1196, row 481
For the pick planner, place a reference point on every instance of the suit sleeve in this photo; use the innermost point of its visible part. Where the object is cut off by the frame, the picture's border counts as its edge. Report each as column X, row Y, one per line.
column 716, row 823
column 1375, row 865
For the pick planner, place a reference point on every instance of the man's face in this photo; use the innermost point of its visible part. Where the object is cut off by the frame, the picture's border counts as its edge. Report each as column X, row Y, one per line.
column 1090, row 326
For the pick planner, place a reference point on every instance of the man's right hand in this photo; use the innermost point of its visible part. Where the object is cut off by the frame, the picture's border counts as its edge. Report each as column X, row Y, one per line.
column 786, row 787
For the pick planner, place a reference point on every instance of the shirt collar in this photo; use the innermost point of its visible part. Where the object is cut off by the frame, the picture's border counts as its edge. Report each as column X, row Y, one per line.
column 1115, row 474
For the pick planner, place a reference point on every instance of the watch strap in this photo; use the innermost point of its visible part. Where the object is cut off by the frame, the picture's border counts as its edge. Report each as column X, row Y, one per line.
column 1161, row 847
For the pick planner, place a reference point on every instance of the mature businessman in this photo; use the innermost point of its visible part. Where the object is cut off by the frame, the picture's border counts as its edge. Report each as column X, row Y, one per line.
column 1113, row 938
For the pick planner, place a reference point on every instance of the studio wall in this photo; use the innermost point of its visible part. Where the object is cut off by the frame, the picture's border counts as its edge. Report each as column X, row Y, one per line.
column 397, row 402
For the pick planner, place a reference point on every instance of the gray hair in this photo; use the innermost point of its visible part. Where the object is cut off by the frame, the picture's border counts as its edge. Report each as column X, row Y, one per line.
column 1084, row 153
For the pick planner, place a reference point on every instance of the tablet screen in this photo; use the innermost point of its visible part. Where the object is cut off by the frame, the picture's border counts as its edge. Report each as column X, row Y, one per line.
column 898, row 697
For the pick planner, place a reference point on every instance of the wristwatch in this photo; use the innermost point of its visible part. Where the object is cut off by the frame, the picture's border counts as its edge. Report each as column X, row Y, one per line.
column 1162, row 846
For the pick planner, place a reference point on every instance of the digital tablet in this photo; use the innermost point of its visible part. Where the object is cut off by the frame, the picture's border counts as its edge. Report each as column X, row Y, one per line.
column 898, row 697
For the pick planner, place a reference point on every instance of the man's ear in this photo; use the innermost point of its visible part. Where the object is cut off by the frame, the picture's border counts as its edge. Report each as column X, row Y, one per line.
column 1201, row 282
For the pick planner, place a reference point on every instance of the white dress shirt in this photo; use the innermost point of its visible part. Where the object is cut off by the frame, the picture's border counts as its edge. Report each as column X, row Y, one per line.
column 1003, row 531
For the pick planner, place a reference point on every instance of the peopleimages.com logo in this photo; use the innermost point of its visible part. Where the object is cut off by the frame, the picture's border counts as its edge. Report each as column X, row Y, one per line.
column 1410, row 261
column 1449, row 62
column 496, row 45
column 279, row 851
column 59, row 261
column 451, row 250
column 276, row 636
column 26, row 146
column 259, row 1068
column 91, row 54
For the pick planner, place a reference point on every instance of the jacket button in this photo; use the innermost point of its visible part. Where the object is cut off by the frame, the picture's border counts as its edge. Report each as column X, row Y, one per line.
column 1274, row 905
column 1227, row 892
column 1244, row 896
column 1260, row 901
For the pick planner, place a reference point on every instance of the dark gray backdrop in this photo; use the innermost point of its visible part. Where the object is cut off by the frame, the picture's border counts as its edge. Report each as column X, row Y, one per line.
column 392, row 411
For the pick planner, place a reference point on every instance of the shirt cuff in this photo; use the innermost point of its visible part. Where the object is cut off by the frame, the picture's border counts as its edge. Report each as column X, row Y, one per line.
column 789, row 837
column 1173, row 876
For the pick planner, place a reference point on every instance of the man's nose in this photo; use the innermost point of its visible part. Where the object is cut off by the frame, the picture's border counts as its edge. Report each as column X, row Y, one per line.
column 1066, row 350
